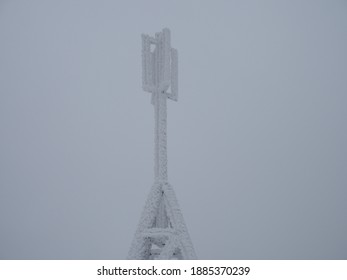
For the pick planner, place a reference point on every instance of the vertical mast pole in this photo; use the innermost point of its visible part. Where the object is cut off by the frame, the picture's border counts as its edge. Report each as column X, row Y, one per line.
column 162, row 139
column 160, row 112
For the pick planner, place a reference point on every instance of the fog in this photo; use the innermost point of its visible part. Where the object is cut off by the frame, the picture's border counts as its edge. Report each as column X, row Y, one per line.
column 256, row 142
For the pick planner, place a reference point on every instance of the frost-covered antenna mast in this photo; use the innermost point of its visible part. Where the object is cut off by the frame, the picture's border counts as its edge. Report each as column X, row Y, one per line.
column 161, row 233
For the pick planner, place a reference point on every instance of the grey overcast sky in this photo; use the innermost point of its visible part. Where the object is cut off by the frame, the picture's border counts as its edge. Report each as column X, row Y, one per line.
column 256, row 142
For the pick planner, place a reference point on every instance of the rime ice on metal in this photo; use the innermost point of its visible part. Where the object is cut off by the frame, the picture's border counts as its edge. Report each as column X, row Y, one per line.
column 161, row 233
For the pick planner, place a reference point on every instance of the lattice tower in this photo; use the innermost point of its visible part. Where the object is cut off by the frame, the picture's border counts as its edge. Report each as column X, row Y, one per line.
column 162, row 232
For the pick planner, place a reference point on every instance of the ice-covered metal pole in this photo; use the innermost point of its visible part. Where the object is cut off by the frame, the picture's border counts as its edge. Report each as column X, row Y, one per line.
column 160, row 137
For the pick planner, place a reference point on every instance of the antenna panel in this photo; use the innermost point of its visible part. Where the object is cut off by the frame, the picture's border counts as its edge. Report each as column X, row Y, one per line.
column 159, row 65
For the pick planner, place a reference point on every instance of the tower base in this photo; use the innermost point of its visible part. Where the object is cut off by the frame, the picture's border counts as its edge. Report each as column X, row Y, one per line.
column 161, row 233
